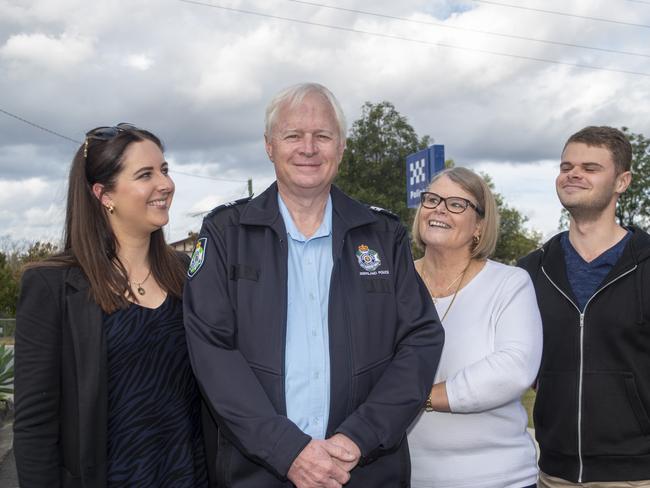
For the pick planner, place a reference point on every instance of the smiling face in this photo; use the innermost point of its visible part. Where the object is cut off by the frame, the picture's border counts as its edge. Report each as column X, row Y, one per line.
column 588, row 184
column 142, row 193
column 445, row 230
column 305, row 146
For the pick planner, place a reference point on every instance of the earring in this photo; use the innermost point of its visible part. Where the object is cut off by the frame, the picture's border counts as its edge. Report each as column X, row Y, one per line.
column 111, row 208
column 475, row 240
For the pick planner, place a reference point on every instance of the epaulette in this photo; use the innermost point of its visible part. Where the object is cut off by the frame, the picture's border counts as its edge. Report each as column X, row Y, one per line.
column 383, row 211
column 223, row 206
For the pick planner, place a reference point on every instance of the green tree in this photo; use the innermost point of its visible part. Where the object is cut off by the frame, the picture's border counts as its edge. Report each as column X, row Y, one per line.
column 11, row 265
column 634, row 205
column 38, row 251
column 8, row 287
column 373, row 169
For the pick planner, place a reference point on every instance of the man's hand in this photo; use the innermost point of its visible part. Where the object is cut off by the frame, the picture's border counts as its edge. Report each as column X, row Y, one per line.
column 316, row 466
column 348, row 445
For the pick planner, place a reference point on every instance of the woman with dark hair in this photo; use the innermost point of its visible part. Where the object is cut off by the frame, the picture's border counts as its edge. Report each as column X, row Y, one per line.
column 105, row 395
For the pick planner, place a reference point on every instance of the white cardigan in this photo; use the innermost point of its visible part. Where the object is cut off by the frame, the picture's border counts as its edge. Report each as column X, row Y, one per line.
column 493, row 347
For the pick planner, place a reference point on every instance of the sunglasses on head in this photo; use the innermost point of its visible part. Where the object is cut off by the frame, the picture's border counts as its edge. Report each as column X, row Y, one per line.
column 105, row 133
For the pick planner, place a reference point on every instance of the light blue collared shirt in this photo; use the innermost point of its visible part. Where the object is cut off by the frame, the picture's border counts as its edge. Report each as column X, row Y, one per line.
column 307, row 360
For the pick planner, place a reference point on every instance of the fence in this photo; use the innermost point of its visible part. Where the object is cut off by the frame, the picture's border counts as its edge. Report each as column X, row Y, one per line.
column 7, row 327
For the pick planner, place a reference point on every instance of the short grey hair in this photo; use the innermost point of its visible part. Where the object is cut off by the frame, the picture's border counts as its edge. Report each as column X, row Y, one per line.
column 294, row 95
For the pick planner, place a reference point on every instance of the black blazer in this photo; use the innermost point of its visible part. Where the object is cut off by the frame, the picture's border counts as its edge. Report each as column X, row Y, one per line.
column 60, row 382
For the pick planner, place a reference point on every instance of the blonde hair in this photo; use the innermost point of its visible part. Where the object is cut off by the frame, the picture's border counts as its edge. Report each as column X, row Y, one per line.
column 488, row 224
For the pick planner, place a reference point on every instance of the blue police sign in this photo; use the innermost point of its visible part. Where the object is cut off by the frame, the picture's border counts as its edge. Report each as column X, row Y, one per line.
column 420, row 168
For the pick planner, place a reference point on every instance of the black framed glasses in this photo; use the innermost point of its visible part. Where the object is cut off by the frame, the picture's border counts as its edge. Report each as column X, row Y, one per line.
column 455, row 205
column 105, row 133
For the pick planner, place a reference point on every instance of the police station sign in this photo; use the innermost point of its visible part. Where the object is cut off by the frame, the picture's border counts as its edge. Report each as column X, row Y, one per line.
column 420, row 168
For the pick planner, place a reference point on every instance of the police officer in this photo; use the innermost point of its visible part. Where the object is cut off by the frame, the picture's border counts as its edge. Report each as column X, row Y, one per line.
column 313, row 339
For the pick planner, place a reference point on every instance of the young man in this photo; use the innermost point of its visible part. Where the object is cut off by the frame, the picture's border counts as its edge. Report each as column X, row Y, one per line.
column 312, row 337
column 593, row 396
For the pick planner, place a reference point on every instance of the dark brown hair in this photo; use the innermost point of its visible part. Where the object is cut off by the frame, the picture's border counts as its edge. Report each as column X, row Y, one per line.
column 611, row 139
column 89, row 241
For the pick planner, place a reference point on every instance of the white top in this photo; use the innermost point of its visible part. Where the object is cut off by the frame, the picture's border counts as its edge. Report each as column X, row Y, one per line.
column 493, row 347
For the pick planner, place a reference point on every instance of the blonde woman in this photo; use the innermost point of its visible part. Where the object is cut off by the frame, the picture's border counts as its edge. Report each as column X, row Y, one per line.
column 473, row 429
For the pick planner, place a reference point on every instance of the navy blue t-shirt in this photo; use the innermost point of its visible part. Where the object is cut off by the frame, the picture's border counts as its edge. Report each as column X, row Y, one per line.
column 585, row 277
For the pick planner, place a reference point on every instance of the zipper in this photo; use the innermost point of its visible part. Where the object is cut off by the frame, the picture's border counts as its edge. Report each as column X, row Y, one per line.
column 348, row 328
column 284, row 247
column 580, row 378
column 582, row 338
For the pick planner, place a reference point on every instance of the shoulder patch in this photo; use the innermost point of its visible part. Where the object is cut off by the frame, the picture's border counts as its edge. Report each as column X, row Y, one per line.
column 198, row 257
column 216, row 210
column 383, row 211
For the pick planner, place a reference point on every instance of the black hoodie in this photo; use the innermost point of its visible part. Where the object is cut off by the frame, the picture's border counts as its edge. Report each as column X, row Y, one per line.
column 592, row 413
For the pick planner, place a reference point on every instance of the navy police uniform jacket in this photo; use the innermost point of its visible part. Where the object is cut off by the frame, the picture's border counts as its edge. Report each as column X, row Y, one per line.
column 385, row 340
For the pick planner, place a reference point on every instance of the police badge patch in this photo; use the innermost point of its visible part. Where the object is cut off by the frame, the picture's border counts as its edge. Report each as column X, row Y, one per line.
column 368, row 259
column 198, row 256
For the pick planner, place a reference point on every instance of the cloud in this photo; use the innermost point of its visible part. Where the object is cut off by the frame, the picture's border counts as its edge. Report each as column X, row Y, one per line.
column 140, row 62
column 46, row 52
column 32, row 209
column 200, row 77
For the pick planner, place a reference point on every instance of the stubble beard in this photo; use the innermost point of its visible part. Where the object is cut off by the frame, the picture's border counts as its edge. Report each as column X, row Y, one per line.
column 589, row 210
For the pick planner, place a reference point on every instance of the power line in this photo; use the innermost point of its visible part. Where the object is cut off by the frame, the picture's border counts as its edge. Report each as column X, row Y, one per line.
column 408, row 39
column 208, row 177
column 564, row 14
column 50, row 131
column 231, row 198
column 17, row 117
column 468, row 29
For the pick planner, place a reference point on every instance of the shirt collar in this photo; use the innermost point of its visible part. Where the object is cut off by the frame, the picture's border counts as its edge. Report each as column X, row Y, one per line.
column 608, row 257
column 324, row 230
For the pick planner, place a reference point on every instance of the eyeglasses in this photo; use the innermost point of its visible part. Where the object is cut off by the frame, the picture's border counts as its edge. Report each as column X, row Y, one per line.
column 105, row 133
column 455, row 205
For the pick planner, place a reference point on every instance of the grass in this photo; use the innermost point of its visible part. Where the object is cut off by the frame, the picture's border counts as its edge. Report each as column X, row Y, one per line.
column 528, row 400
column 7, row 341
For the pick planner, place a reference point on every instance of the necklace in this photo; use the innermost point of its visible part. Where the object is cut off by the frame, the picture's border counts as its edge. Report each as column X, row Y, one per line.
column 429, row 287
column 458, row 279
column 141, row 290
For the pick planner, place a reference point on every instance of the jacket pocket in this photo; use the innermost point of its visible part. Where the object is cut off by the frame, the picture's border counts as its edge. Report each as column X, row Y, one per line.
column 272, row 382
column 377, row 285
column 366, row 378
column 615, row 421
column 556, row 412
column 244, row 272
column 69, row 480
column 224, row 454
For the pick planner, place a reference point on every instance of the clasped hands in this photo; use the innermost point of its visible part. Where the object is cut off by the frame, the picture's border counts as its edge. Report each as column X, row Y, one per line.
column 325, row 463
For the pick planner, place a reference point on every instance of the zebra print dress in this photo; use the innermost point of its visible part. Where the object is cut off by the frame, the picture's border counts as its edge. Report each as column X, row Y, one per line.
column 154, row 419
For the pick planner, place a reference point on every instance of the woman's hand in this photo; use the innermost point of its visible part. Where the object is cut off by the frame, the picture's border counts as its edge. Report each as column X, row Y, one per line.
column 439, row 401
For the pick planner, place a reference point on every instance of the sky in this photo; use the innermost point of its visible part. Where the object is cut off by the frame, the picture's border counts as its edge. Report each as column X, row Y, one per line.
column 501, row 84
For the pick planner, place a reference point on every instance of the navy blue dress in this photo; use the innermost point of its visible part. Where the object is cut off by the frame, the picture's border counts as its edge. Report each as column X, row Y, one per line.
column 154, row 416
